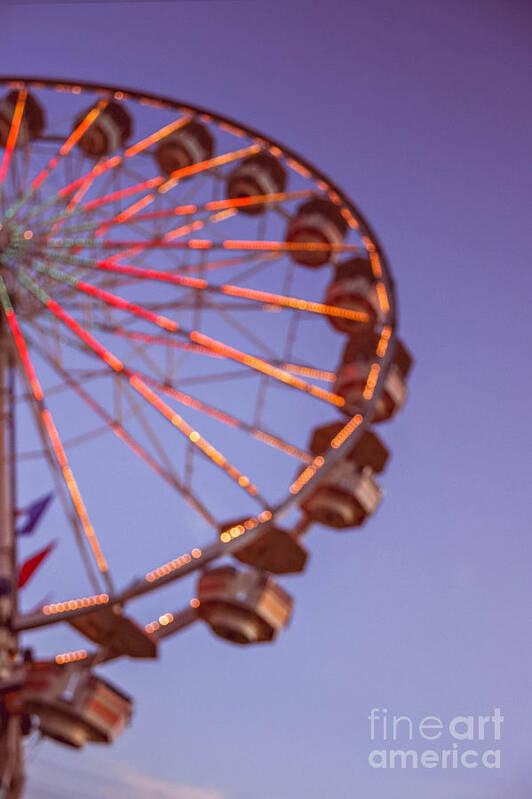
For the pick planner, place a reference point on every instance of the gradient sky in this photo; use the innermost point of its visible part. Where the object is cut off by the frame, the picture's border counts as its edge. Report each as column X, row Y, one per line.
column 421, row 112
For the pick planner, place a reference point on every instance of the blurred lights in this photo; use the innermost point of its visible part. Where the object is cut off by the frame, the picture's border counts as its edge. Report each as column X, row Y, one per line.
column 371, row 381
column 76, row 604
column 14, row 130
column 71, row 657
column 382, row 295
column 346, row 431
column 307, row 474
column 382, row 346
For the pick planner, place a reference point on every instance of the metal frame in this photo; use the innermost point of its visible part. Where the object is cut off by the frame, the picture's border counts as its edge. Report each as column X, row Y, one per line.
column 198, row 558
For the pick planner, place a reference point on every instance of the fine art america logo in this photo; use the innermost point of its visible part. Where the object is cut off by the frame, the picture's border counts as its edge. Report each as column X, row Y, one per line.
column 460, row 742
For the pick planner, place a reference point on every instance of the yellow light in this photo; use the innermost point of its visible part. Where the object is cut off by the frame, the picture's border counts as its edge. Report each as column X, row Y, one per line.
column 195, row 603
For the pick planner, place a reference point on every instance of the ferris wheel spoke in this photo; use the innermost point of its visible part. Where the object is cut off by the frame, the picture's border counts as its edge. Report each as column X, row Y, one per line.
column 166, row 184
column 191, row 209
column 243, row 330
column 62, row 490
column 203, row 244
column 226, row 418
column 138, row 411
column 194, row 336
column 111, row 299
column 160, row 184
column 106, row 164
column 227, row 289
column 13, row 134
column 267, row 368
column 253, row 259
column 71, row 207
column 143, row 389
column 64, row 150
column 119, row 430
column 302, row 370
column 222, row 263
column 172, row 235
column 309, row 371
column 53, row 435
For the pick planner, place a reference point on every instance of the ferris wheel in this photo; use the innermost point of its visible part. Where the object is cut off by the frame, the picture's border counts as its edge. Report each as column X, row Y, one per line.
column 182, row 293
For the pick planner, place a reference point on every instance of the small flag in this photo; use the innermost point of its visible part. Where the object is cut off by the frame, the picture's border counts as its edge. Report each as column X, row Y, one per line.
column 33, row 513
column 30, row 566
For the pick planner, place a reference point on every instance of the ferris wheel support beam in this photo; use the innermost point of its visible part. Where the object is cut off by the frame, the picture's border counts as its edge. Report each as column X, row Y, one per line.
column 11, row 763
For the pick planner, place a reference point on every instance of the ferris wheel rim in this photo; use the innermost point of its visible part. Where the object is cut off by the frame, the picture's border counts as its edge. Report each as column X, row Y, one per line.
column 332, row 456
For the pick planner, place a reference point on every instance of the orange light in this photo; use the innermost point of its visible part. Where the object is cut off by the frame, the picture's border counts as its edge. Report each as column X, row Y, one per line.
column 382, row 346
column 143, row 144
column 308, row 371
column 110, row 163
column 249, row 524
column 13, row 133
column 301, row 170
column 266, row 368
column 231, row 129
column 163, row 186
column 73, row 139
column 168, row 568
column 175, row 419
column 84, row 602
column 294, row 302
column 371, row 381
column 383, row 297
column 373, row 256
column 306, row 475
column 288, row 246
column 71, row 657
column 346, row 431
column 259, row 199
column 83, row 126
column 349, row 218
column 152, row 627
column 54, row 439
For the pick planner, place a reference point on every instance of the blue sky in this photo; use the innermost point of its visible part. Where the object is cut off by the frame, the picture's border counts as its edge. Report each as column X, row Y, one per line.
column 419, row 111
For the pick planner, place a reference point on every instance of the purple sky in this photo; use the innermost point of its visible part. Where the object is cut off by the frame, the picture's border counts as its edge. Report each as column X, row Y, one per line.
column 420, row 112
